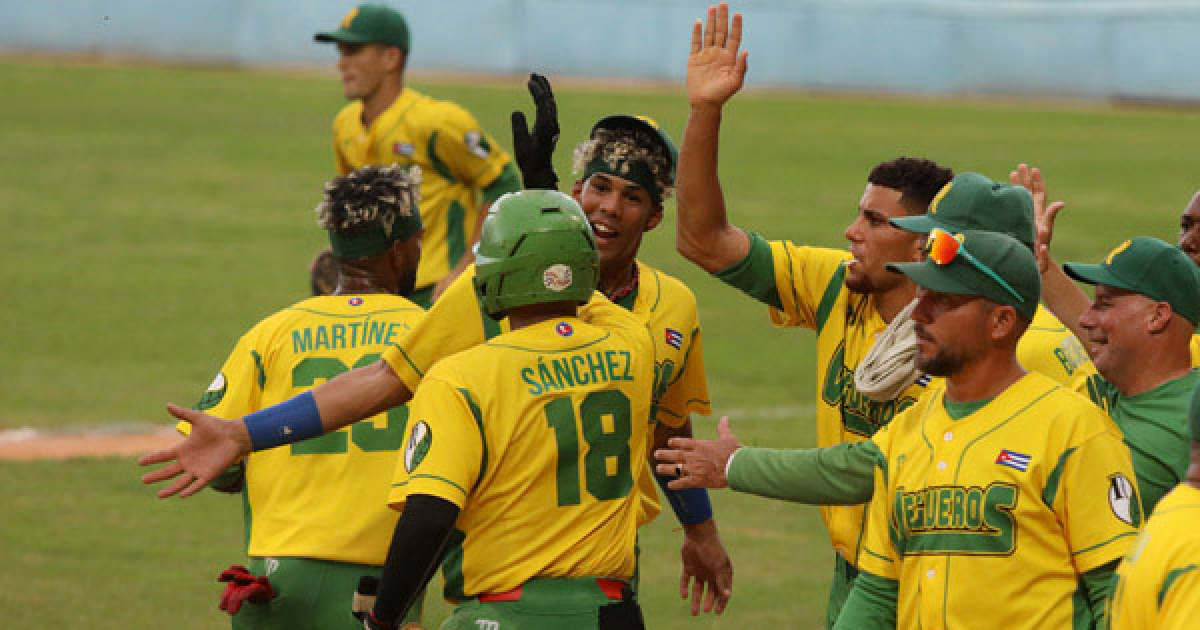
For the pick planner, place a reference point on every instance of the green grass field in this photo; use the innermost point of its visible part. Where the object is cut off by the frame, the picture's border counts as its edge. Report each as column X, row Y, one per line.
column 153, row 214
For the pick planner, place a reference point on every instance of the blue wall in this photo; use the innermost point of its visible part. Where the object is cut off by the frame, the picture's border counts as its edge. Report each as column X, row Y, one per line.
column 1072, row 47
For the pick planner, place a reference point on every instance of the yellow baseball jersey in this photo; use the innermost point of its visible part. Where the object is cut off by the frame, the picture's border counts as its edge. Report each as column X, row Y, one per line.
column 1158, row 583
column 1000, row 512
column 325, row 497
column 1195, row 350
column 665, row 305
column 538, row 436
column 805, row 287
column 457, row 160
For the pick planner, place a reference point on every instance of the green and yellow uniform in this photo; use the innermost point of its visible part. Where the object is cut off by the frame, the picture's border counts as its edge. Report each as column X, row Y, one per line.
column 1158, row 583
column 462, row 168
column 1155, row 427
column 536, row 435
column 316, row 514
column 805, row 287
column 1010, row 503
column 664, row 304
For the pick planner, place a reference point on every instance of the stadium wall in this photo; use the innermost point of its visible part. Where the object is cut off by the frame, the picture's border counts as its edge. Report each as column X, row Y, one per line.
column 1131, row 49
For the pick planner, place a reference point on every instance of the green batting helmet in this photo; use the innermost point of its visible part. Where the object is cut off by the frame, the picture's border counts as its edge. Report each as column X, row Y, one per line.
column 536, row 247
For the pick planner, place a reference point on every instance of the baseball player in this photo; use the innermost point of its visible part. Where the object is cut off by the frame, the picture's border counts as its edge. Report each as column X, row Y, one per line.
column 316, row 518
column 623, row 210
column 521, row 462
column 996, row 474
column 463, row 169
column 859, row 310
column 1137, row 331
column 1158, row 583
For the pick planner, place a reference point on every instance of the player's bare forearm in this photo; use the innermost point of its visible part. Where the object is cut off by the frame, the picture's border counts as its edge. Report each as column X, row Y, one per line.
column 1063, row 297
column 662, row 433
column 359, row 394
column 707, row 571
column 703, row 232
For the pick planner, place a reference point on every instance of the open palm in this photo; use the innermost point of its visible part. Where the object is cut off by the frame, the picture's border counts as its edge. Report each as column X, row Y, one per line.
column 716, row 68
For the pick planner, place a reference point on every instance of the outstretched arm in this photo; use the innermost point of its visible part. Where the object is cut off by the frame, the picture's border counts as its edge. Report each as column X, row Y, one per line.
column 1062, row 296
column 215, row 444
column 715, row 72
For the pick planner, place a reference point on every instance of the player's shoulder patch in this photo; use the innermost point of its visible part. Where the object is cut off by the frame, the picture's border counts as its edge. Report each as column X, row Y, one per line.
column 214, row 394
column 1123, row 500
column 418, row 446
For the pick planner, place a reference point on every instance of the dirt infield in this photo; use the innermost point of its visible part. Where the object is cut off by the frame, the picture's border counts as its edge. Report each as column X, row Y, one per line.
column 32, row 444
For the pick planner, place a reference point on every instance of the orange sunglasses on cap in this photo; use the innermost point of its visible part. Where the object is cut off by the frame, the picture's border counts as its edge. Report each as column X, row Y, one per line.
column 943, row 247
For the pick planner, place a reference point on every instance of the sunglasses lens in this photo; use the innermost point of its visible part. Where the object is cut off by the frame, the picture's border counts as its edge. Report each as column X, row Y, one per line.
column 943, row 247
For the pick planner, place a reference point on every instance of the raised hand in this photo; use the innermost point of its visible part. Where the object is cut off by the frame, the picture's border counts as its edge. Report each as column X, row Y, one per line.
column 716, row 68
column 1044, row 215
column 212, row 446
column 535, row 151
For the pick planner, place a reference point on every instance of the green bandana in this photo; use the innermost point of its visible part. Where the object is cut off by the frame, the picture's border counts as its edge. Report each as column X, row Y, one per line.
column 635, row 171
column 371, row 239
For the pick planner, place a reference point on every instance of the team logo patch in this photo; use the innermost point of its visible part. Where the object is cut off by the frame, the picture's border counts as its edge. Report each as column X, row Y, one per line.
column 557, row 277
column 674, row 338
column 564, row 329
column 477, row 144
column 214, row 393
column 418, row 446
column 1121, row 498
column 355, row 301
column 403, row 148
column 1014, row 460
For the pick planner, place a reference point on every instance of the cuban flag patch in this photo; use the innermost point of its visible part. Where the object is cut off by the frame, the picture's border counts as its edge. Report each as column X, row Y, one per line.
column 1013, row 460
column 923, row 380
column 674, row 338
column 564, row 329
column 355, row 301
column 403, row 149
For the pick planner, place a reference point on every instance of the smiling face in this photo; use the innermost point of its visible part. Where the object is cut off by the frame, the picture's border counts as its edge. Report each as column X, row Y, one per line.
column 364, row 67
column 620, row 212
column 952, row 331
column 1189, row 230
column 1116, row 325
column 874, row 242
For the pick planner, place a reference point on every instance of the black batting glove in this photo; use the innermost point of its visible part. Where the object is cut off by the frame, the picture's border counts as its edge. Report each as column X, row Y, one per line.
column 535, row 151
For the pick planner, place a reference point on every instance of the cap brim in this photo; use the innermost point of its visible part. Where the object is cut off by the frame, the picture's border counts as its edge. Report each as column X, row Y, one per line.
column 921, row 223
column 930, row 276
column 1095, row 274
column 341, row 36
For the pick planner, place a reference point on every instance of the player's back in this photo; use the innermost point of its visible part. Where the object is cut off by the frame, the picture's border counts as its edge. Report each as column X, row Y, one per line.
column 563, row 408
column 325, row 497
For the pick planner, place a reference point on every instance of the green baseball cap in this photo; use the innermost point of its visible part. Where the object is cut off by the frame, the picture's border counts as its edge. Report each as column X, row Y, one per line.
column 974, row 202
column 370, row 24
column 1151, row 267
column 1006, row 257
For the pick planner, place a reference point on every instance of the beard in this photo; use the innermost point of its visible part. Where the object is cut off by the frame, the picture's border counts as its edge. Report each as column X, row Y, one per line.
column 946, row 361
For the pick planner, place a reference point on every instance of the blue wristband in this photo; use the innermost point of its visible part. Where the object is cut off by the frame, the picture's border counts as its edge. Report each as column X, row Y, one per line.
column 691, row 506
column 290, row 421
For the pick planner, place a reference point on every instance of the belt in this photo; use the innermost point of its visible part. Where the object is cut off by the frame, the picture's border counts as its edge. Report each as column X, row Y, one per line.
column 611, row 588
